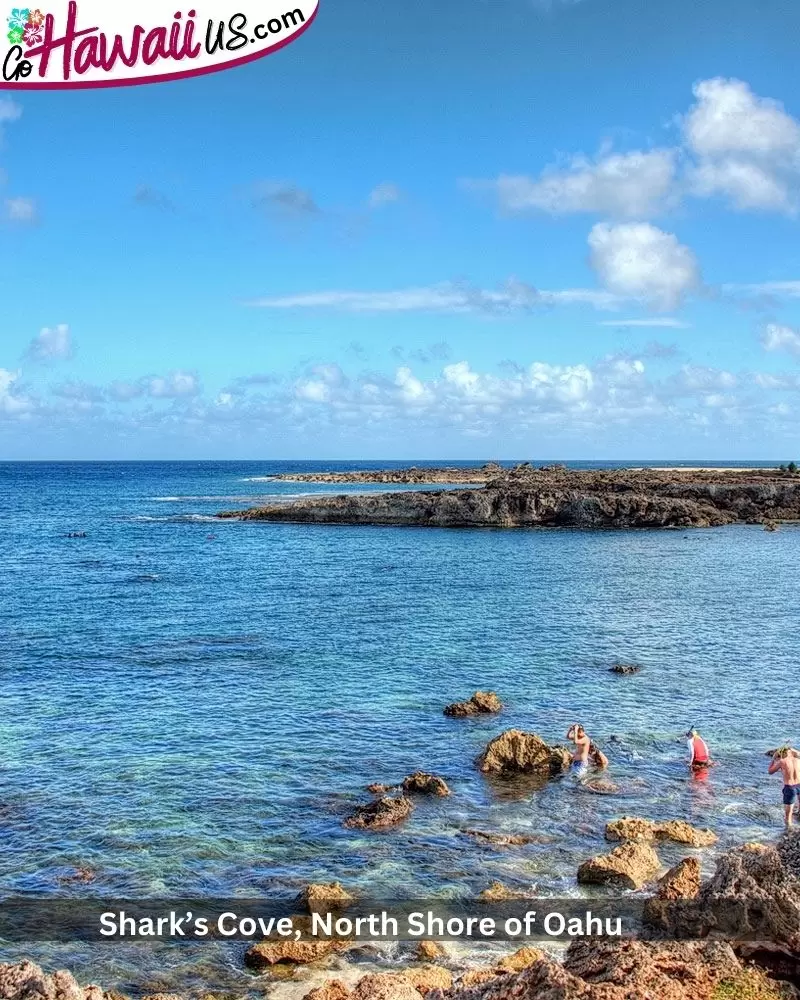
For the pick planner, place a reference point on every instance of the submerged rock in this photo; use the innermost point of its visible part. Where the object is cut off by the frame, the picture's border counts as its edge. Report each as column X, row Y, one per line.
column 678, row 831
column 631, row 865
column 380, row 814
column 517, row 752
column 498, row 892
column 506, row 839
column 625, row 669
column 325, row 896
column 481, row 703
column 422, row 783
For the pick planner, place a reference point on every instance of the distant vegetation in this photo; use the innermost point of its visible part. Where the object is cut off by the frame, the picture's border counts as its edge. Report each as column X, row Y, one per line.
column 791, row 469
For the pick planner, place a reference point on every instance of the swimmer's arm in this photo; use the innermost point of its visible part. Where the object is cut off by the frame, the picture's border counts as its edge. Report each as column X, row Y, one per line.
column 774, row 767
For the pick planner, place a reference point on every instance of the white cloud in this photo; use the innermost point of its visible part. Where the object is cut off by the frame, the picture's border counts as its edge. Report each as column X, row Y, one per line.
column 12, row 404
column 173, row 386
column 729, row 118
column 447, row 297
column 21, row 210
column 638, row 260
column 766, row 289
column 384, row 194
column 665, row 322
column 51, row 344
column 622, row 185
column 748, row 147
column 780, row 338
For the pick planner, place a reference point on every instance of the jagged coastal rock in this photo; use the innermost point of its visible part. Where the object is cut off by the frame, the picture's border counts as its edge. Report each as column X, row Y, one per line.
column 560, row 497
column 380, row 814
column 422, row 783
column 631, row 866
column 325, row 896
column 481, row 703
column 678, row 831
column 517, row 752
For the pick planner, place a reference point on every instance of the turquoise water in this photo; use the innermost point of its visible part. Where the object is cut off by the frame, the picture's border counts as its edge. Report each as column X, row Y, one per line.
column 192, row 707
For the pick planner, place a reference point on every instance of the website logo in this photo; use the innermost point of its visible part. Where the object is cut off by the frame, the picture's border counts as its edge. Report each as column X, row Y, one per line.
column 92, row 43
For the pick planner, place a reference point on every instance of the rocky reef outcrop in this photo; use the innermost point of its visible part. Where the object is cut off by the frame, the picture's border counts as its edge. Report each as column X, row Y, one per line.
column 27, row 981
column 381, row 814
column 422, row 783
column 518, row 752
column 630, row 866
column 413, row 475
column 560, row 497
column 675, row 830
column 481, row 703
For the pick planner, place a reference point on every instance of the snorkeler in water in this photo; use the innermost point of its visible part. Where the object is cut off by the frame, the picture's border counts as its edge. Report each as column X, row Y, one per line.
column 699, row 756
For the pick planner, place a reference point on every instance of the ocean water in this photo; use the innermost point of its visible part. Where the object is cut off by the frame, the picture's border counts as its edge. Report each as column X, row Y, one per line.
column 191, row 707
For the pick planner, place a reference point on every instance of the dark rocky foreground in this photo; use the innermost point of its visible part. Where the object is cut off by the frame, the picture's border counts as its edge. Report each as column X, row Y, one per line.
column 744, row 925
column 558, row 497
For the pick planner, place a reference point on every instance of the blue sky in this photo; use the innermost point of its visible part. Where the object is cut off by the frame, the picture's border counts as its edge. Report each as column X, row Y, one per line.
column 494, row 229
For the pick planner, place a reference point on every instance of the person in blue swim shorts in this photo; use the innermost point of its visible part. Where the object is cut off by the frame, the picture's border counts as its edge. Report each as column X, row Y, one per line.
column 787, row 761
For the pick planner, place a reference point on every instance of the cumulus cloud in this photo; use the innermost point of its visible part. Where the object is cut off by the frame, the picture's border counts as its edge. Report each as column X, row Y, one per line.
column 175, row 385
column 621, row 185
column 459, row 399
column 734, row 144
column 51, row 344
column 638, row 260
column 775, row 337
column 384, row 194
column 12, row 402
column 747, row 147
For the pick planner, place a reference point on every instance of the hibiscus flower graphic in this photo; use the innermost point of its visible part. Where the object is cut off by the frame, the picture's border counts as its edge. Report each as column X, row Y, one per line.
column 33, row 35
column 19, row 18
column 35, row 18
column 15, row 36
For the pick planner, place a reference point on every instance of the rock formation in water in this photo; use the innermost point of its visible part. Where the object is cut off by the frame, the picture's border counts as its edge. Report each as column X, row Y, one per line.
column 422, row 783
column 516, row 752
column 676, row 830
column 560, row 497
column 481, row 703
column 630, row 866
column 380, row 814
